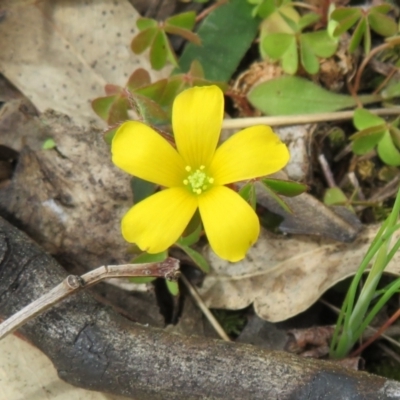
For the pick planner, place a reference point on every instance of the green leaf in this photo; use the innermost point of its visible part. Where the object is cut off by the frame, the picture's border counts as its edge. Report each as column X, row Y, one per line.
column 196, row 257
column 48, row 144
column 357, row 35
column 266, row 8
column 290, row 95
column 277, row 198
column 145, row 23
column 290, row 59
column 192, row 238
column 382, row 24
column 320, row 43
column 109, row 134
column 285, row 188
column 395, row 134
column 118, row 111
column 150, row 258
column 388, row 152
column 230, row 23
column 184, row 20
column 143, row 40
column 248, row 193
column 367, row 37
column 290, row 22
column 159, row 51
column 141, row 189
column 150, row 111
column 343, row 13
column 276, row 44
column 308, row 59
column 101, row 106
column 346, row 19
column 172, row 287
column 365, row 140
column 308, row 19
column 392, row 90
column 382, row 8
column 185, row 33
column 334, row 196
column 140, row 77
column 112, row 89
column 363, row 119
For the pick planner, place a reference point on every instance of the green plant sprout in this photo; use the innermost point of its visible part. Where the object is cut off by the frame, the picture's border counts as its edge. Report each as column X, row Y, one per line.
column 282, row 37
column 356, row 313
column 308, row 46
column 374, row 131
column 151, row 102
column 153, row 35
column 374, row 18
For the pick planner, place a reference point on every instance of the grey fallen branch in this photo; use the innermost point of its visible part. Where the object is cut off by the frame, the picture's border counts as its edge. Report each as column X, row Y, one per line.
column 93, row 347
column 168, row 269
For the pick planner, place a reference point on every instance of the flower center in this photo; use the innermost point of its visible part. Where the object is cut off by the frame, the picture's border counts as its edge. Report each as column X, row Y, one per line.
column 197, row 180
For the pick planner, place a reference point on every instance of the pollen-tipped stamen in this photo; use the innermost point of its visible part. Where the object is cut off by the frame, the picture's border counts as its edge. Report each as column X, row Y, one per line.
column 197, row 180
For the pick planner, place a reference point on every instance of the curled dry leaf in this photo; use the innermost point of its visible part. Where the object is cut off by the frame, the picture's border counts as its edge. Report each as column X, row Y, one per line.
column 283, row 276
column 26, row 373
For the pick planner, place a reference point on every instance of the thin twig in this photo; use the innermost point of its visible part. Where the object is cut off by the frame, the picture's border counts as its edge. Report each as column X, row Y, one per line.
column 213, row 321
column 168, row 269
column 207, row 11
column 367, row 59
column 326, row 171
column 238, row 123
column 377, row 334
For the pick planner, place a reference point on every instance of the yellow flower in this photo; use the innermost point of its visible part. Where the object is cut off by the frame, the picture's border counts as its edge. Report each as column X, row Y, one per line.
column 195, row 175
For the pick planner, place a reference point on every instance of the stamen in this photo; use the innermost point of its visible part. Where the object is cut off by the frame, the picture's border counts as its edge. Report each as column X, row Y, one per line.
column 197, row 180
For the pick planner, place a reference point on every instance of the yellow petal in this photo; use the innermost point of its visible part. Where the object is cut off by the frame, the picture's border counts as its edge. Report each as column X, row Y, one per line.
column 197, row 116
column 250, row 153
column 142, row 152
column 157, row 222
column 231, row 225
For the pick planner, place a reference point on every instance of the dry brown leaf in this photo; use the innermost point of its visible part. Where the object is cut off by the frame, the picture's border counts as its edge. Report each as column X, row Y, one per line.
column 27, row 374
column 60, row 54
column 283, row 276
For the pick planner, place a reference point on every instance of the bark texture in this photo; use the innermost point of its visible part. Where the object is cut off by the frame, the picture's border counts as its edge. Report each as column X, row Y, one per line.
column 94, row 348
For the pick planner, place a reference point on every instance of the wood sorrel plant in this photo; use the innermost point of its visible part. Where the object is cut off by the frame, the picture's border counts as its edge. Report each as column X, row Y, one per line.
column 354, row 316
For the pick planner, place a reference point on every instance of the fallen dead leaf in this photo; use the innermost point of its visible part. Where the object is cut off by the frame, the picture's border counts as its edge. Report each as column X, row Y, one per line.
column 26, row 373
column 283, row 276
column 60, row 54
